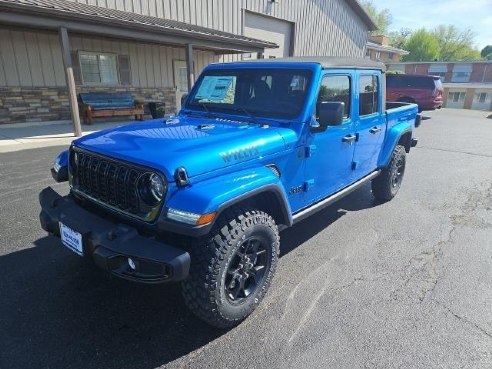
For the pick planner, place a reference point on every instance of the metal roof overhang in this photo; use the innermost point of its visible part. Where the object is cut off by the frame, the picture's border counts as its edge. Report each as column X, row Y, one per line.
column 390, row 49
column 92, row 20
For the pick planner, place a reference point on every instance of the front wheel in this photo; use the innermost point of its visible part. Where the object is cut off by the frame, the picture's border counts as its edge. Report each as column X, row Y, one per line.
column 232, row 268
column 386, row 185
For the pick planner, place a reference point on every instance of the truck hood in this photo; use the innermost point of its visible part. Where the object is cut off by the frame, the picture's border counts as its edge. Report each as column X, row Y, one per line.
column 199, row 145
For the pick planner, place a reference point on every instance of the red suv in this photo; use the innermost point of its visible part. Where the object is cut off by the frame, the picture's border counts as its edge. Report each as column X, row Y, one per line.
column 424, row 90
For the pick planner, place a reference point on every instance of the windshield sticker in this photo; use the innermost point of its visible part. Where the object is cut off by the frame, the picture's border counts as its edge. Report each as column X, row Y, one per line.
column 214, row 88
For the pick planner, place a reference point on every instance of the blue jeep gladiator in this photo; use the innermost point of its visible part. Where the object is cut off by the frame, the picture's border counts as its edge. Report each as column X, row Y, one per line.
column 200, row 197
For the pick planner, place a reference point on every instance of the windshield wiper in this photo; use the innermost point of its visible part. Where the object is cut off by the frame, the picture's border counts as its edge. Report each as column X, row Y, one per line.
column 209, row 113
column 205, row 109
column 251, row 116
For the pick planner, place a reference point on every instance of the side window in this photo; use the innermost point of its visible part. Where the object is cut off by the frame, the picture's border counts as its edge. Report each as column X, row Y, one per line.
column 368, row 94
column 335, row 88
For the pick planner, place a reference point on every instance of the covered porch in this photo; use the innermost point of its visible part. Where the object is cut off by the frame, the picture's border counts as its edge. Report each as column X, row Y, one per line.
column 98, row 49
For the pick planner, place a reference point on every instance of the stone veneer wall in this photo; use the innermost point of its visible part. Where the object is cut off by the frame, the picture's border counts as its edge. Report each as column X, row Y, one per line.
column 40, row 104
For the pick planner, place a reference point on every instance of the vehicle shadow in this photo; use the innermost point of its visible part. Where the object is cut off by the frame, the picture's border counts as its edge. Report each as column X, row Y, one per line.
column 310, row 227
column 59, row 311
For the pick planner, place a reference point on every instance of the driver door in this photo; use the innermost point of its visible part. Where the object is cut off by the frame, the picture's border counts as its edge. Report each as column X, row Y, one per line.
column 330, row 153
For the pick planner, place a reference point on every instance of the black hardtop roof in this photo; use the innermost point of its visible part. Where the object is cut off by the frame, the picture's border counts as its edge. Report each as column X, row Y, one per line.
column 325, row 61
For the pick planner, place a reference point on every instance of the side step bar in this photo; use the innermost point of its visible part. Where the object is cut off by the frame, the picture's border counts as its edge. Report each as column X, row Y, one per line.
column 297, row 217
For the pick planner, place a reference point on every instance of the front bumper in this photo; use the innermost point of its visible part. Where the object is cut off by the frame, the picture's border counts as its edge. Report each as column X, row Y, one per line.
column 110, row 244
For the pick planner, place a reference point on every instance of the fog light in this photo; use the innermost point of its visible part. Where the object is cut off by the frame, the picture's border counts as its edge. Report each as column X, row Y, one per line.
column 132, row 264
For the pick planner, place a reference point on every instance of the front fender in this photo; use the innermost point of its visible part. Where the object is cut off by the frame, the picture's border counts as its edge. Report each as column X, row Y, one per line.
column 217, row 194
column 60, row 167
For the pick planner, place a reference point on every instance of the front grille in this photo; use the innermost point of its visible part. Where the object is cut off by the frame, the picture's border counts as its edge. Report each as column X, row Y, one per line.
column 108, row 181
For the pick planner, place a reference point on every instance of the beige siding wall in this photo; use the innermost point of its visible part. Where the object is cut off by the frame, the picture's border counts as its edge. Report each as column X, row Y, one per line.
column 33, row 59
column 32, row 80
column 323, row 27
column 30, row 59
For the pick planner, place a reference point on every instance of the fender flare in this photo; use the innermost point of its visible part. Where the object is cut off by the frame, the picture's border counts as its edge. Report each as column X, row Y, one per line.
column 272, row 188
column 219, row 194
column 392, row 138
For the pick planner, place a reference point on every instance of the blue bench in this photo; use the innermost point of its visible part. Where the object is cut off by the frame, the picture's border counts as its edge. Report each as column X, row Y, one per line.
column 108, row 104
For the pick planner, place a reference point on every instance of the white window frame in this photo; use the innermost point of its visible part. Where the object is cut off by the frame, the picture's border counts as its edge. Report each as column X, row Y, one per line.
column 487, row 97
column 461, row 96
column 98, row 54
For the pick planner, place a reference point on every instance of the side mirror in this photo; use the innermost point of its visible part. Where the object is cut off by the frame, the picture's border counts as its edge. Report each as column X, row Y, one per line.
column 183, row 99
column 330, row 114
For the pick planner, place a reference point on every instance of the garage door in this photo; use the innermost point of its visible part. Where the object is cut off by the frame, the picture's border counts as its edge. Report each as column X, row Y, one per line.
column 269, row 29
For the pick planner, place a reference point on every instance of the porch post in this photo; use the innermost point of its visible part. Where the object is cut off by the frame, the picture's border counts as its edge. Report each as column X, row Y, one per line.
column 72, row 93
column 190, row 67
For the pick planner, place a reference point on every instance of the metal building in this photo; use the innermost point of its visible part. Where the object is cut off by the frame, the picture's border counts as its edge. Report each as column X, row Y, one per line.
column 153, row 48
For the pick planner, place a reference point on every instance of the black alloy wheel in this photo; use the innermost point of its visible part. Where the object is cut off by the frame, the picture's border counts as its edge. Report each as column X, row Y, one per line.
column 246, row 270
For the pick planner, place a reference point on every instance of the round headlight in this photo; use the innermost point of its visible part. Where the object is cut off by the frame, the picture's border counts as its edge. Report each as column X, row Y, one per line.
column 157, row 186
column 152, row 188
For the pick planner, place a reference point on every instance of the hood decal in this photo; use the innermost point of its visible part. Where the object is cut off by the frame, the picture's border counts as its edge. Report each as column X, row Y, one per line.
column 240, row 153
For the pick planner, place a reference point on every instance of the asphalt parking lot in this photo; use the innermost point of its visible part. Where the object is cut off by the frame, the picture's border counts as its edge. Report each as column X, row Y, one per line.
column 406, row 284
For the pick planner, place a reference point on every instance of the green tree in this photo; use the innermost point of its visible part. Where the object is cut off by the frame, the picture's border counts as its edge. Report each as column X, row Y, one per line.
column 400, row 38
column 422, row 46
column 382, row 18
column 486, row 52
column 455, row 44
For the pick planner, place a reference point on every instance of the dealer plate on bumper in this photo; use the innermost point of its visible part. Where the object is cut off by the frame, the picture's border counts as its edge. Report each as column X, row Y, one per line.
column 72, row 239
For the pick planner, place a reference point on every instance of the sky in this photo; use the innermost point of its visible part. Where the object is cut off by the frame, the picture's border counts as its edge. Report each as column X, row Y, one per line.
column 414, row 14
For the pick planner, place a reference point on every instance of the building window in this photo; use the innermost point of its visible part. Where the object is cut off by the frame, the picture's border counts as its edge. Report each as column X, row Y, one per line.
column 461, row 76
column 456, row 96
column 368, row 95
column 99, row 68
column 482, row 97
column 391, row 56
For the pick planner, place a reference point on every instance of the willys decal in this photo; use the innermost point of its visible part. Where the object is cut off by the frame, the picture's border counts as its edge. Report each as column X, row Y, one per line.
column 241, row 153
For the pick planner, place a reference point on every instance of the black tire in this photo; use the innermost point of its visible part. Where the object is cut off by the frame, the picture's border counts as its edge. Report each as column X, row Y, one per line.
column 221, row 288
column 386, row 185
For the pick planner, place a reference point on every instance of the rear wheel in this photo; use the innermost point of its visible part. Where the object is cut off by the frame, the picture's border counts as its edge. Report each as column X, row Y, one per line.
column 386, row 185
column 232, row 268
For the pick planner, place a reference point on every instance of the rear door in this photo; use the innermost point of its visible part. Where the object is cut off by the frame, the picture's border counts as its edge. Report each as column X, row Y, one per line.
column 330, row 153
column 369, row 124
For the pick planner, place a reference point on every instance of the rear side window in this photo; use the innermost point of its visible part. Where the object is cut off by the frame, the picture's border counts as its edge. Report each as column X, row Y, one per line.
column 438, row 84
column 368, row 94
column 409, row 81
column 335, row 88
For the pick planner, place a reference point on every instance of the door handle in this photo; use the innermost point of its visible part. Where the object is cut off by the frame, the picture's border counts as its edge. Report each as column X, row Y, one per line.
column 375, row 130
column 349, row 138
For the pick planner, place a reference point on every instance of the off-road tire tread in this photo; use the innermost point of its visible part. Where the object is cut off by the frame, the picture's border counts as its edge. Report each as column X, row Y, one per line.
column 208, row 253
column 381, row 185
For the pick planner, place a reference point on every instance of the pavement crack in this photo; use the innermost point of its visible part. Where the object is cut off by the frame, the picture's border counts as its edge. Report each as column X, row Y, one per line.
column 454, row 151
column 422, row 269
column 463, row 319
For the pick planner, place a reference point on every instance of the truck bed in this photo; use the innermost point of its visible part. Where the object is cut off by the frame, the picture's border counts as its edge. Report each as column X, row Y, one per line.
column 397, row 112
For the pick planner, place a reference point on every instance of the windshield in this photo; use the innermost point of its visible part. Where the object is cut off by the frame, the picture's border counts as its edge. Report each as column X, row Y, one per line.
column 270, row 93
